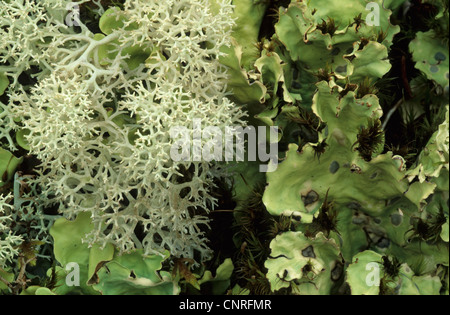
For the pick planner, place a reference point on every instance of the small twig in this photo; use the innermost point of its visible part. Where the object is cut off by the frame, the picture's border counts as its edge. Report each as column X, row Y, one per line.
column 390, row 113
column 21, row 280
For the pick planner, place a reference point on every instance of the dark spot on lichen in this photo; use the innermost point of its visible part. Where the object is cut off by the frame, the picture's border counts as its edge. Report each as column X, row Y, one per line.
column 358, row 220
column 396, row 219
column 334, row 167
column 310, row 198
column 335, row 51
column 309, row 252
column 434, row 69
column 341, row 69
column 336, row 273
column 383, row 243
column 440, row 56
column 354, row 205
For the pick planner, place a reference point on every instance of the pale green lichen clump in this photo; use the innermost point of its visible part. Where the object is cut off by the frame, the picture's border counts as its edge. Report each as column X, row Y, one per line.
column 8, row 240
column 100, row 113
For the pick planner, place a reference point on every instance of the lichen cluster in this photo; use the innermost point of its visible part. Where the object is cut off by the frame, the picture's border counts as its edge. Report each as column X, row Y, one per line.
column 99, row 114
column 353, row 198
